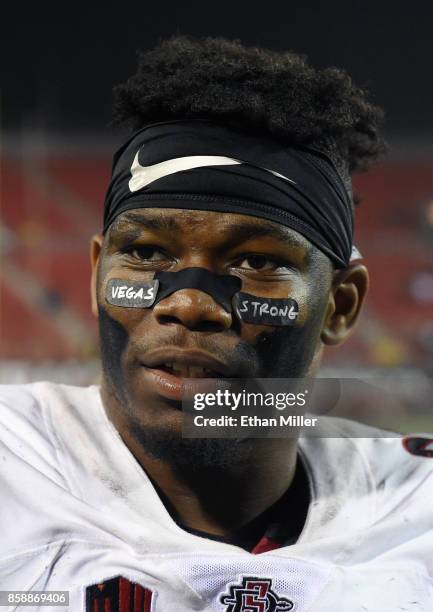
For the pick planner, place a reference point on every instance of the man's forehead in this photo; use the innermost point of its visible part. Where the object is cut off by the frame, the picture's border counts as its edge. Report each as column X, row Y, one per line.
column 238, row 226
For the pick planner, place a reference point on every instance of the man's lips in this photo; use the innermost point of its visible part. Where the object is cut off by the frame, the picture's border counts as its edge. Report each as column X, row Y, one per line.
column 167, row 371
column 186, row 363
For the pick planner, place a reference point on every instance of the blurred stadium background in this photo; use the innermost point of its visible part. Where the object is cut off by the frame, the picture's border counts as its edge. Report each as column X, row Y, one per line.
column 55, row 164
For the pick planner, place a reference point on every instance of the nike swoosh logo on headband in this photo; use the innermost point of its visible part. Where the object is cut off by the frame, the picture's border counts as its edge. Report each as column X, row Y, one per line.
column 144, row 175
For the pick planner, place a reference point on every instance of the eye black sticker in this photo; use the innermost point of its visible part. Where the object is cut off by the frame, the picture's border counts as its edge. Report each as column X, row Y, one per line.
column 265, row 311
column 249, row 308
column 129, row 294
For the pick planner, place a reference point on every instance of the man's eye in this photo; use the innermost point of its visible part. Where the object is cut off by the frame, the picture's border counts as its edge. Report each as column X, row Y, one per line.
column 261, row 263
column 145, row 254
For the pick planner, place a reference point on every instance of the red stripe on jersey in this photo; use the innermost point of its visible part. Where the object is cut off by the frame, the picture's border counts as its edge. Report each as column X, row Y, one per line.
column 264, row 545
column 124, row 595
column 147, row 600
column 118, row 595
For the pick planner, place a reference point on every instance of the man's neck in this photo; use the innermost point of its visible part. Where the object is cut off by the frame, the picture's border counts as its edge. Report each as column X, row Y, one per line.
column 222, row 501
column 219, row 503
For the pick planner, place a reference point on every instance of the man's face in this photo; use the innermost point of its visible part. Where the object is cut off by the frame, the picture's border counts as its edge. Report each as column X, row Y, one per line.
column 147, row 352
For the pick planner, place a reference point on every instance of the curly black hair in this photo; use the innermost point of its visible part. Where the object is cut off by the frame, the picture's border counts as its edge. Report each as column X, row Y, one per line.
column 263, row 91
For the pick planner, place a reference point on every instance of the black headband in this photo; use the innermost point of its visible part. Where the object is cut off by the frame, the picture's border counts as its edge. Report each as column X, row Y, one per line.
column 207, row 166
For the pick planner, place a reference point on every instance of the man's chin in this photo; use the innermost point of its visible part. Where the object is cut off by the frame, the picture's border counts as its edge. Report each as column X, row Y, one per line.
column 191, row 457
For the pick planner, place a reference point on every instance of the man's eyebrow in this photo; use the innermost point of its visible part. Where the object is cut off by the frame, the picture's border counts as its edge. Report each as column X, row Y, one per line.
column 242, row 232
column 133, row 223
column 151, row 221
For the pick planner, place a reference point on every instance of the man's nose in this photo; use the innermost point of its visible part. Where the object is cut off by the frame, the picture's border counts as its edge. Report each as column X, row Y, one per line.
column 193, row 309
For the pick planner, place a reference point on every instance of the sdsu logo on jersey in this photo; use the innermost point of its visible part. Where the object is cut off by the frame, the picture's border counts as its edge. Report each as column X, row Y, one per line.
column 254, row 595
column 118, row 595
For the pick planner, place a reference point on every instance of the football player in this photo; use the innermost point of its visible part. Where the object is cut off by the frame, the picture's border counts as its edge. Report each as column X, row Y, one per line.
column 233, row 186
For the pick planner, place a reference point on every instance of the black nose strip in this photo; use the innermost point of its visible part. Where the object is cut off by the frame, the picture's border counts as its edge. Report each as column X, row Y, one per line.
column 221, row 287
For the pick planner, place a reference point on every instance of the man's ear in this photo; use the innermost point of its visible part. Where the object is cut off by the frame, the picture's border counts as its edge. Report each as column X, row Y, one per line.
column 348, row 292
column 95, row 251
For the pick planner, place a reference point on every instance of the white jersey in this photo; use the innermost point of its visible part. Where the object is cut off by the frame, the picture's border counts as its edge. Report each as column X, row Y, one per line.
column 78, row 514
